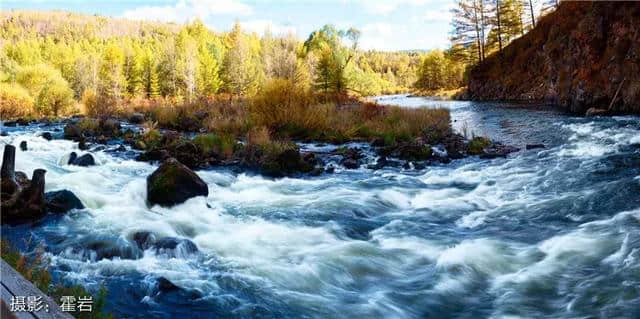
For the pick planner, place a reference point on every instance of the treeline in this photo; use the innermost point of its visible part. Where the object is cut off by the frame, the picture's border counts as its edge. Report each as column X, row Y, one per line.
column 51, row 61
column 479, row 28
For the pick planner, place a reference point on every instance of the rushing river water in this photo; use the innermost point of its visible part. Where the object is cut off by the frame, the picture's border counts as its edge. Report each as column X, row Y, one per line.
column 545, row 233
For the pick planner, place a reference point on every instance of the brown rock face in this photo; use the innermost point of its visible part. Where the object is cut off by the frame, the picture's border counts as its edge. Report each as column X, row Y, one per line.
column 577, row 57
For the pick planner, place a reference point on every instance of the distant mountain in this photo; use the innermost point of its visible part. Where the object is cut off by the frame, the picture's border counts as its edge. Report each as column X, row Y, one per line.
column 577, row 57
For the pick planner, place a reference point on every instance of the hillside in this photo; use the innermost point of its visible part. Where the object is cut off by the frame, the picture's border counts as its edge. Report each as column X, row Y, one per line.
column 576, row 57
column 16, row 24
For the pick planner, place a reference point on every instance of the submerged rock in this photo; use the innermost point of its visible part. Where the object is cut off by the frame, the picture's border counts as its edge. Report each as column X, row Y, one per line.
column 379, row 164
column 164, row 285
column 498, row 150
column 534, row 146
column 596, row 112
column 144, row 239
column 62, row 201
column 108, row 249
column 173, row 183
column 350, row 163
column 351, row 157
column 174, row 247
column 23, row 146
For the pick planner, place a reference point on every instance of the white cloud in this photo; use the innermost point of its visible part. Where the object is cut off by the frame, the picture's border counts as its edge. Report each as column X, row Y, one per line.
column 437, row 15
column 260, row 26
column 185, row 10
column 380, row 36
column 391, row 37
column 387, row 6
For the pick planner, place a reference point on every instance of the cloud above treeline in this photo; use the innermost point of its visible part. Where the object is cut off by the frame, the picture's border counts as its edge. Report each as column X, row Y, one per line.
column 385, row 24
column 187, row 10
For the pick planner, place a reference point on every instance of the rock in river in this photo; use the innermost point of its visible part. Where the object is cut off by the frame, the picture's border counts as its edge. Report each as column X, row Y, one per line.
column 173, row 183
column 47, row 136
column 62, row 201
column 84, row 160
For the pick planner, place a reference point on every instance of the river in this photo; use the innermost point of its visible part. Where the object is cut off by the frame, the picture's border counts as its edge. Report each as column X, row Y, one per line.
column 544, row 233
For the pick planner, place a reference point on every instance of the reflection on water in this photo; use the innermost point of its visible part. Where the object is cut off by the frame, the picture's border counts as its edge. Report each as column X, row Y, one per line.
column 551, row 233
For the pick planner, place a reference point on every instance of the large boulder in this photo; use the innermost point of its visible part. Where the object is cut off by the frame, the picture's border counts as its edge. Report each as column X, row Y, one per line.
column 62, row 201
column 173, row 183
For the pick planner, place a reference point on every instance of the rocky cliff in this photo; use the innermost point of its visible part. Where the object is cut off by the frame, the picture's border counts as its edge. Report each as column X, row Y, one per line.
column 577, row 57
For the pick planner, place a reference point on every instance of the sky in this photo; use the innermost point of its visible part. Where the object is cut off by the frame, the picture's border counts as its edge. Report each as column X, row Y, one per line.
column 385, row 24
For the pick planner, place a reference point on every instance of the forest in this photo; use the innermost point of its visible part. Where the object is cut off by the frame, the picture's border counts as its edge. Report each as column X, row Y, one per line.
column 51, row 60
column 55, row 63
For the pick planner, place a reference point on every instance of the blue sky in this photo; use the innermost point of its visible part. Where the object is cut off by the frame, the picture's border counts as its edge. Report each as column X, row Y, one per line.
column 385, row 25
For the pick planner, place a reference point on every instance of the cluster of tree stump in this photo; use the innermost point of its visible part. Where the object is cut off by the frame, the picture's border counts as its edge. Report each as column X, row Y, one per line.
column 21, row 199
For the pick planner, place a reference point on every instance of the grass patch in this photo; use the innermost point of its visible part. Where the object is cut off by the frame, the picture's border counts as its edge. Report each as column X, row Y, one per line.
column 214, row 144
column 477, row 145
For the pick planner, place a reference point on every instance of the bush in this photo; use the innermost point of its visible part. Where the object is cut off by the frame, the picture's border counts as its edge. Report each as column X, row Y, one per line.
column 90, row 102
column 477, row 145
column 213, row 144
column 55, row 98
column 286, row 109
column 45, row 83
column 15, row 101
column 259, row 137
column 35, row 77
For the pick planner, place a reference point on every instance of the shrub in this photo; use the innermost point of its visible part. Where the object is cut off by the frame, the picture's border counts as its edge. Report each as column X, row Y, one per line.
column 15, row 101
column 55, row 98
column 45, row 83
column 151, row 137
column 210, row 144
column 286, row 109
column 88, row 125
column 260, row 137
column 35, row 77
column 90, row 102
column 477, row 145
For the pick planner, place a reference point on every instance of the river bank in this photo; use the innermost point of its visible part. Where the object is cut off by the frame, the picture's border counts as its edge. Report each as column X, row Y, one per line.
column 583, row 55
column 471, row 238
